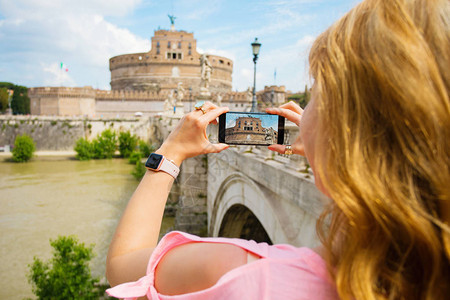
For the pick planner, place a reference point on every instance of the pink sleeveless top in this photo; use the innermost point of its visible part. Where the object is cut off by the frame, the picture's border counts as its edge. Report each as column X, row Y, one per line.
column 283, row 272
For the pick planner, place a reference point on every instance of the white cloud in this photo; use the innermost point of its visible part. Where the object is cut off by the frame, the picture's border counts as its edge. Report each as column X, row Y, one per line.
column 306, row 41
column 75, row 32
column 31, row 9
column 54, row 75
column 245, row 78
column 202, row 9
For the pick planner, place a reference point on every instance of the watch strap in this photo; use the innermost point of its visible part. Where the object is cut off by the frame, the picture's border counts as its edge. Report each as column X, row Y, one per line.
column 169, row 167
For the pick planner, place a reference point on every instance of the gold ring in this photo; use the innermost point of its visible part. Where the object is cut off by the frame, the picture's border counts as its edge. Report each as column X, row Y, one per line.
column 199, row 106
column 288, row 150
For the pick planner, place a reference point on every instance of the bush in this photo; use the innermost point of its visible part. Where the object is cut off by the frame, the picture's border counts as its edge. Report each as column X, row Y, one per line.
column 135, row 156
column 145, row 148
column 67, row 274
column 84, row 149
column 127, row 143
column 139, row 170
column 104, row 145
column 23, row 148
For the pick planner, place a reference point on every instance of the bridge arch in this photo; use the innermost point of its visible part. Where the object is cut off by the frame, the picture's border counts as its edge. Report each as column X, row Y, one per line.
column 239, row 210
column 241, row 222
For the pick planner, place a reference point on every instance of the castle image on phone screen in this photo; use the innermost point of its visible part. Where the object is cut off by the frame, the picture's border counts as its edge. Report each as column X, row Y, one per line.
column 255, row 129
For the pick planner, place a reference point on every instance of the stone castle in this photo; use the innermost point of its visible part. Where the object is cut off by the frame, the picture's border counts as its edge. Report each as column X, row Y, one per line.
column 171, row 75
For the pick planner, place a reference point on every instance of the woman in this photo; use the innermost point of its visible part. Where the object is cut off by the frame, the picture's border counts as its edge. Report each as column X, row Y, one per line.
column 377, row 135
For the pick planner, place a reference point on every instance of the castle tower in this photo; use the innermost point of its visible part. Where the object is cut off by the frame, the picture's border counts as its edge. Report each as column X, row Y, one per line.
column 173, row 58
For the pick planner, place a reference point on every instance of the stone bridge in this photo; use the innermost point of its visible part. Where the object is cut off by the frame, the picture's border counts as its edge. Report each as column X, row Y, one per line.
column 254, row 195
column 247, row 192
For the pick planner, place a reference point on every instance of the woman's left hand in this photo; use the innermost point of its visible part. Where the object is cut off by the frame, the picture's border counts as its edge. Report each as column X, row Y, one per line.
column 189, row 138
column 293, row 112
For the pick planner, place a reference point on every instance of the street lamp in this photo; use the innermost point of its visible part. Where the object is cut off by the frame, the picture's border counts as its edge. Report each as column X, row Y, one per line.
column 255, row 47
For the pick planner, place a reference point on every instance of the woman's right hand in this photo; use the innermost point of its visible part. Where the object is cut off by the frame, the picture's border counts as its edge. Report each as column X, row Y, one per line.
column 189, row 138
column 293, row 112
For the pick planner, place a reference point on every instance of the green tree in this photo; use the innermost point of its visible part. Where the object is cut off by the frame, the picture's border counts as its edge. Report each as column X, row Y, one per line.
column 139, row 170
column 24, row 148
column 3, row 99
column 301, row 98
column 84, row 149
column 67, row 274
column 104, row 145
column 20, row 102
column 145, row 148
column 127, row 143
column 135, row 156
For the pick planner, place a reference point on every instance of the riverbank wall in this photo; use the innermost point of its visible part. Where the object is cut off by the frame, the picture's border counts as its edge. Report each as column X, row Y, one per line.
column 61, row 133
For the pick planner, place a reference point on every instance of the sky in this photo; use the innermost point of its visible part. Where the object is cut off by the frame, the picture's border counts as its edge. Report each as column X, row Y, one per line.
column 267, row 121
column 36, row 36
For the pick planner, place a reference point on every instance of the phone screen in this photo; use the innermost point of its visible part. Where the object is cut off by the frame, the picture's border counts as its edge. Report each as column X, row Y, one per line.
column 242, row 128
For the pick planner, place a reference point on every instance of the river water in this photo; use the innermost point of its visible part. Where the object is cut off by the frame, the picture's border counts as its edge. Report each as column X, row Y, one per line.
column 43, row 199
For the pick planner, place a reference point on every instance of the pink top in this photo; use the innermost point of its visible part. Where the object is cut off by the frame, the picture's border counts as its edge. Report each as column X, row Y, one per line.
column 283, row 272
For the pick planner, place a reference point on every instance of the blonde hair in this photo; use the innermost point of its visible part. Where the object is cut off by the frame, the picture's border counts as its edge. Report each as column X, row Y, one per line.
column 382, row 86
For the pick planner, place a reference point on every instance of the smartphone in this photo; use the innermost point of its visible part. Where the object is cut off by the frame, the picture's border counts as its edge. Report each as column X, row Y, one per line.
column 243, row 128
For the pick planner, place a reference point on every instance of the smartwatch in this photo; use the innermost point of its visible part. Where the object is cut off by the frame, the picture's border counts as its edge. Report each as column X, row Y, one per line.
column 157, row 162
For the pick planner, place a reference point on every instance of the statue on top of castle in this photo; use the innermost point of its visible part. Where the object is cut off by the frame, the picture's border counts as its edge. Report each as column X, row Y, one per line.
column 172, row 19
column 206, row 71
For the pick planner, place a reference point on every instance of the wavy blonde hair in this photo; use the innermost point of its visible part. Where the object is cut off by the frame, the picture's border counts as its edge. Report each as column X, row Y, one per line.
column 382, row 86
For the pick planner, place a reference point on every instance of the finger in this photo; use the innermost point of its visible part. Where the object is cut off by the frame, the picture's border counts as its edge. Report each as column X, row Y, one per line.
column 207, row 106
column 216, row 148
column 278, row 148
column 213, row 114
column 293, row 106
column 296, row 149
column 287, row 113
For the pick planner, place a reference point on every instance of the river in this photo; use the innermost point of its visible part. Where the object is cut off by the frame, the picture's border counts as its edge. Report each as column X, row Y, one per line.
column 45, row 198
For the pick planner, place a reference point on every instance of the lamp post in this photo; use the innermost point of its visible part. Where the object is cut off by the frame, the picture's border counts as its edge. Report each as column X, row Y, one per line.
column 255, row 47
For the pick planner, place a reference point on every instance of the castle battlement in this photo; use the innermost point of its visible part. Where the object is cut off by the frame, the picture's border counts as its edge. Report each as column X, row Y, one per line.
column 127, row 95
column 275, row 88
column 64, row 92
column 238, row 96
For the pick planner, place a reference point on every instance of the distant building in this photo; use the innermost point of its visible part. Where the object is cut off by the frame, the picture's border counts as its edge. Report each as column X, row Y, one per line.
column 249, row 130
column 141, row 82
column 173, row 58
column 62, row 101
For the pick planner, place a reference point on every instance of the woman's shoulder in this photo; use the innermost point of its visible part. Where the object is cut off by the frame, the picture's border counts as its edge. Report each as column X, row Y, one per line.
column 281, row 268
column 218, row 268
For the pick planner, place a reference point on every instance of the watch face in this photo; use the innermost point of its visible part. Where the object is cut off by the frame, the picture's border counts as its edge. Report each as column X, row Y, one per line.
column 153, row 161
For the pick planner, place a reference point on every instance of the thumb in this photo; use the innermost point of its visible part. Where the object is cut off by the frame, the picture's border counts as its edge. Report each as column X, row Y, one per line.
column 278, row 148
column 216, row 148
